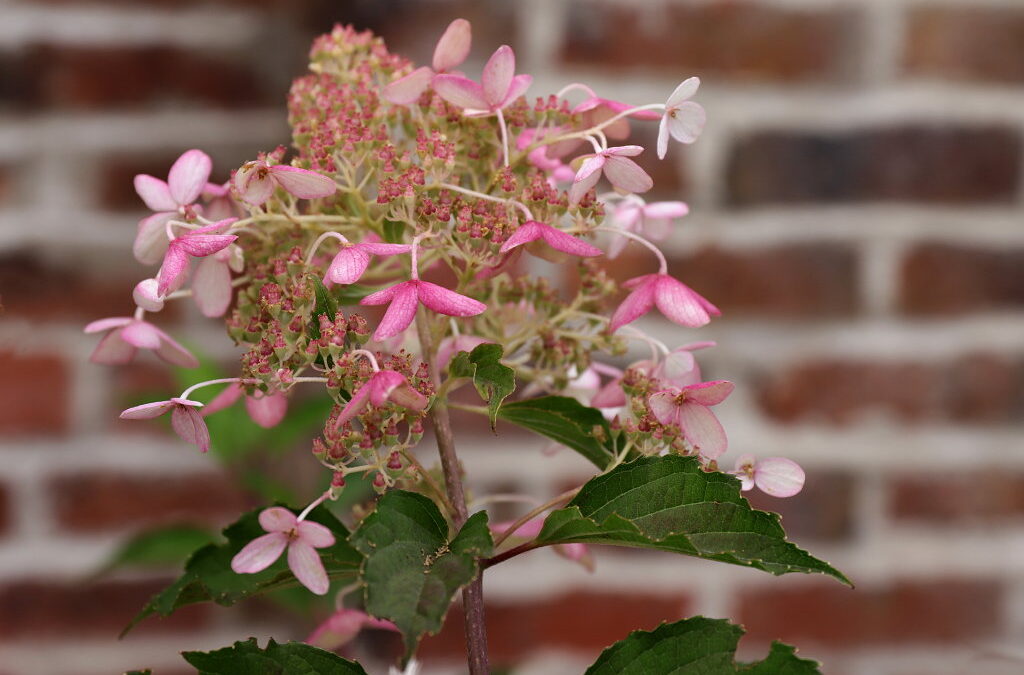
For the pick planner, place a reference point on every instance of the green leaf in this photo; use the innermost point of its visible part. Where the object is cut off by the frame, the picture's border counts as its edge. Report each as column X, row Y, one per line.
column 208, row 575
column 325, row 304
column 291, row 658
column 412, row 571
column 351, row 294
column 566, row 421
column 670, row 503
column 695, row 646
column 393, row 231
column 159, row 547
column 494, row 381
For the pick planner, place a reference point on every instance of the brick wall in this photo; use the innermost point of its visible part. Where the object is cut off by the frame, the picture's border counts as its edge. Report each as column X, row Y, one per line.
column 856, row 212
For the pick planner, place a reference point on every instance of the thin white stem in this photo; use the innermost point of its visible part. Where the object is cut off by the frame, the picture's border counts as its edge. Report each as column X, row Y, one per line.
column 575, row 85
column 595, row 144
column 655, row 344
column 321, row 239
column 309, row 379
column 139, row 313
column 662, row 263
column 504, row 137
column 223, row 380
column 492, row 198
column 597, row 127
column 367, row 354
column 316, row 502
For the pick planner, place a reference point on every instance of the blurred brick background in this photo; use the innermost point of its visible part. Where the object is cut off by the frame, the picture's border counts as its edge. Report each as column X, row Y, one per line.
column 856, row 213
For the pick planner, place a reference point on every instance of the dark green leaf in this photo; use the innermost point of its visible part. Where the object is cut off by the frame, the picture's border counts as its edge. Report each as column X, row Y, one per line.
column 208, row 575
column 670, row 503
column 412, row 571
column 291, row 658
column 147, row 671
column 351, row 294
column 393, row 231
column 494, row 381
column 695, row 646
column 567, row 421
column 325, row 304
column 170, row 545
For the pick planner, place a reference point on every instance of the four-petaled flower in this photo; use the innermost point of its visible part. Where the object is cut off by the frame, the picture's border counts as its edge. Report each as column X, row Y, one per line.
column 688, row 408
column 185, row 419
column 654, row 220
column 383, row 386
column 343, row 626
column 126, row 336
column 544, row 239
column 622, row 172
column 170, row 199
column 775, row 476
column 683, row 119
column 199, row 243
column 676, row 300
column 405, row 298
column 256, row 181
column 300, row 537
column 451, row 50
column 498, row 86
column 351, row 261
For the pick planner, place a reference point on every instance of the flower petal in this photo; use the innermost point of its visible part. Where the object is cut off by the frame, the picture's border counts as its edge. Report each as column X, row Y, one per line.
column 665, row 210
column 202, row 245
column 681, row 304
column 581, row 186
column 381, row 248
column 497, row 76
column 267, row 410
column 686, row 122
column 315, row 534
column 147, row 411
column 188, row 176
column 225, row 399
column 151, row 238
column 141, row 334
column 525, row 233
column 100, row 325
column 460, row 91
column 307, row 567
column 172, row 352
column 145, row 296
column 407, row 90
column 173, row 268
column 625, row 174
column 686, row 89
column 113, row 350
column 278, row 519
column 260, row 553
column 709, row 393
column 348, row 265
column 355, row 405
column 381, row 385
column 155, row 193
column 778, row 476
column 663, row 137
column 407, row 397
column 444, row 301
column 190, row 426
column 636, row 304
column 520, row 83
column 664, row 406
column 401, row 311
column 453, row 47
column 254, row 183
column 303, row 183
column 211, row 287
column 702, row 429
column 566, row 243
column 610, row 395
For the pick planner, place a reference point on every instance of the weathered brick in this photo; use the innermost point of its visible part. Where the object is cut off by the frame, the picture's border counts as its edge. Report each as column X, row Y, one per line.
column 735, row 40
column 966, row 43
column 33, row 394
column 104, row 501
column 579, row 621
column 899, row 613
column 960, row 498
column 976, row 388
column 944, row 279
column 823, row 510
column 935, row 164
column 39, row 608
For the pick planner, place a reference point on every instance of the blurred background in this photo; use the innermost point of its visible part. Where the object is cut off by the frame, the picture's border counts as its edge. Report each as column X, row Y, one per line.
column 856, row 212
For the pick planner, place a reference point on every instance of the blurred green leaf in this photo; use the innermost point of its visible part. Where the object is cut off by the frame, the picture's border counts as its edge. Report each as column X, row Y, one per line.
column 566, row 421
column 290, row 658
column 165, row 546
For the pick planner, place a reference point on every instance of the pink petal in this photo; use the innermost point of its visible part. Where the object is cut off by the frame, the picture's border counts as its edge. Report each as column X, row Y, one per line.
column 381, row 385
column 190, row 426
column 681, row 304
column 188, row 176
column 254, row 183
column 400, row 312
column 381, row 248
column 610, row 395
column 527, row 232
column 624, row 151
column 664, row 406
column 589, row 167
column 448, row 302
column 219, row 227
column 744, row 469
column 355, row 405
column 677, row 365
column 151, row 238
column 709, row 393
column 106, row 324
column 626, row 174
column 497, row 75
column 307, row 567
column 382, row 296
column 211, row 287
column 666, row 210
column 407, row 90
column 460, row 91
column 636, row 304
column 616, row 246
column 172, row 352
column 147, row 411
column 173, row 268
column 141, row 334
column 145, row 296
column 566, row 243
column 315, row 534
column 155, row 193
column 778, row 476
column 453, row 47
column 348, row 265
column 278, row 519
column 520, row 83
column 339, row 629
column 267, row 410
column 303, row 183
column 225, row 399
column 686, row 89
column 663, row 137
column 202, row 245
column 113, row 350
column 407, row 397
column 702, row 429
column 580, row 187
column 686, row 122
column 260, row 553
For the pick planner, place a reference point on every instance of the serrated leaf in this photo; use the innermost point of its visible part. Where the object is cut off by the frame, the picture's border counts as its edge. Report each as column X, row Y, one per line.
column 412, row 570
column 291, row 658
column 208, row 575
column 494, row 381
column 566, row 421
column 670, row 503
column 695, row 646
column 159, row 547
column 394, row 231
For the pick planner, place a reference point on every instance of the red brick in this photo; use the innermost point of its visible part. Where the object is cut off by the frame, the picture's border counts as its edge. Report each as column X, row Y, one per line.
column 966, row 498
column 901, row 613
column 105, row 501
column 581, row 621
column 966, row 43
column 37, row 608
column 734, row 40
column 975, row 388
column 944, row 279
column 940, row 164
column 33, row 394
column 821, row 511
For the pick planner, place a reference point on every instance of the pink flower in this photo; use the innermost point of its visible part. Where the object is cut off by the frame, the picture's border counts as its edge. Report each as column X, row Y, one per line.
column 383, row 386
column 405, row 298
column 185, row 420
column 578, row 553
column 211, row 284
column 125, row 336
column 498, row 87
column 544, row 239
column 775, row 476
column 185, row 182
column 596, row 110
column 451, row 50
column 622, row 172
column 266, row 410
column 689, row 409
column 679, row 368
column 256, row 181
column 352, row 260
column 198, row 243
column 587, row 388
column 683, row 119
column 653, row 220
column 146, row 296
column 300, row 537
column 676, row 300
column 543, row 157
column 342, row 627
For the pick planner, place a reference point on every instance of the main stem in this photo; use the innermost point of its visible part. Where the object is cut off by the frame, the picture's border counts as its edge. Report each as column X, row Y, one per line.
column 473, row 594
